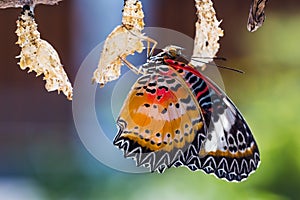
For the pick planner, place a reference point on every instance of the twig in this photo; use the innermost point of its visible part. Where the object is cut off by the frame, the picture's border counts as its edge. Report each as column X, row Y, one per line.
column 20, row 3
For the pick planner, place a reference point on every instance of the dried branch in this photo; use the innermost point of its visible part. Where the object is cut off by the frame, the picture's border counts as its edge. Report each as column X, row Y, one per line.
column 20, row 3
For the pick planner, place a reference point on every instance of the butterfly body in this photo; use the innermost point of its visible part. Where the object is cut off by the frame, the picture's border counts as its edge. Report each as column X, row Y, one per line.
column 176, row 116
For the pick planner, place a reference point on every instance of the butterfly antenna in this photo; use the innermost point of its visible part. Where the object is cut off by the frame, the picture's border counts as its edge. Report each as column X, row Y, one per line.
column 184, row 56
column 231, row 69
column 219, row 66
column 215, row 58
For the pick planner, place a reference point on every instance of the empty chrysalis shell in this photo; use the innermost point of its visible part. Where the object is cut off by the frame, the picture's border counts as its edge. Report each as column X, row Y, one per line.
column 39, row 56
column 124, row 40
column 256, row 15
column 207, row 35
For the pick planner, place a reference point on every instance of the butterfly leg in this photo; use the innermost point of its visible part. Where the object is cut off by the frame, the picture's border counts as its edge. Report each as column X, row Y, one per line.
column 145, row 38
column 150, row 50
column 131, row 66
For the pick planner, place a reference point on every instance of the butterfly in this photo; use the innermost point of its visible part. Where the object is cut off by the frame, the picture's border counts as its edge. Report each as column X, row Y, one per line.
column 176, row 116
column 256, row 15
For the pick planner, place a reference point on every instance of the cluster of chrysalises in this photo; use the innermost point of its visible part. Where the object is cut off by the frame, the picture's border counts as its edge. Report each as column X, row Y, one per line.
column 208, row 33
column 124, row 40
column 39, row 56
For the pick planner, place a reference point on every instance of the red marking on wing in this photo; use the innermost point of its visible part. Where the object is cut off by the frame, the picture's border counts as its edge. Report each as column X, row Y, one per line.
column 202, row 92
column 177, row 65
column 161, row 96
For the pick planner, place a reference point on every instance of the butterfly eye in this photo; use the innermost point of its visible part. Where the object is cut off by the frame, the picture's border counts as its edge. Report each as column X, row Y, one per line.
column 171, row 51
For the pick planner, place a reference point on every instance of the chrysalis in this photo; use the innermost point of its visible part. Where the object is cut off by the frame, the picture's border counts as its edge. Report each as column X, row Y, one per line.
column 207, row 35
column 124, row 40
column 256, row 15
column 39, row 56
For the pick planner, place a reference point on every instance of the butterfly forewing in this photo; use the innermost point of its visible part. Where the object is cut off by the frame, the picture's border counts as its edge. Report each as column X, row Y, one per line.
column 159, row 120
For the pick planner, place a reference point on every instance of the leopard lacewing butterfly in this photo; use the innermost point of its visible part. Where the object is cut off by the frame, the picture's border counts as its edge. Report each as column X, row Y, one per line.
column 176, row 116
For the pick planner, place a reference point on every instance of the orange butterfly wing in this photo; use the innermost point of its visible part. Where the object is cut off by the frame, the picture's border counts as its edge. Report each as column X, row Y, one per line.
column 159, row 120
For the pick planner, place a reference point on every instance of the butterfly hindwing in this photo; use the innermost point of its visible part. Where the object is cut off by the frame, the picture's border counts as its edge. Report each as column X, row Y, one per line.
column 229, row 150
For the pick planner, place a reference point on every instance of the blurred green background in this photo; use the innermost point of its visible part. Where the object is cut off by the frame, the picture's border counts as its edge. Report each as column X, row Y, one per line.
column 42, row 157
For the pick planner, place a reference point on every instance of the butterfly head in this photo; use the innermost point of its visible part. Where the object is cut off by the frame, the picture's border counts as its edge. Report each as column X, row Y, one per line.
column 172, row 52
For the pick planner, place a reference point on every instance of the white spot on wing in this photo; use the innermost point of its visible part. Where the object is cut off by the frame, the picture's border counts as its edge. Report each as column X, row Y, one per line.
column 230, row 106
column 215, row 143
column 227, row 119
